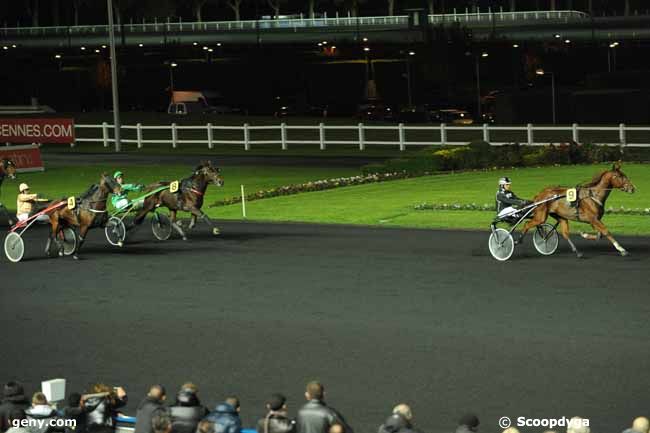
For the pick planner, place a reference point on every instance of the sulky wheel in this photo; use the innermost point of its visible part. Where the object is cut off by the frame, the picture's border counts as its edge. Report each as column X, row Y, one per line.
column 115, row 231
column 546, row 239
column 14, row 247
column 501, row 244
column 161, row 226
column 69, row 238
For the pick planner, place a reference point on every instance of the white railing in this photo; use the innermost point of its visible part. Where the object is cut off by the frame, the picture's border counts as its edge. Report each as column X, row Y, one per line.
column 357, row 135
column 296, row 23
column 506, row 17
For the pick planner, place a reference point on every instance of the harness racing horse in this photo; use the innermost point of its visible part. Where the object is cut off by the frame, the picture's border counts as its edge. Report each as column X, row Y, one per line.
column 589, row 206
column 89, row 211
column 188, row 198
column 7, row 169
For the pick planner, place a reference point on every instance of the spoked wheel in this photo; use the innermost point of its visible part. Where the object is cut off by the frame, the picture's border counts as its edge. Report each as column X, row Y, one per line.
column 115, row 231
column 14, row 247
column 501, row 244
column 161, row 226
column 69, row 238
column 546, row 239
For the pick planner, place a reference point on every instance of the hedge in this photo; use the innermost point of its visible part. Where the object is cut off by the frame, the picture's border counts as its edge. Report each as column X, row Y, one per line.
column 480, row 155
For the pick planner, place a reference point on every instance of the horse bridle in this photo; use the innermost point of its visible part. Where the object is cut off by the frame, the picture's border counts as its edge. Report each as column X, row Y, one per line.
column 622, row 188
column 88, row 202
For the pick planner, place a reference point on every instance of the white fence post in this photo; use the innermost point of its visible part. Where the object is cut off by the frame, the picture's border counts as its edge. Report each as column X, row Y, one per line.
column 283, row 135
column 486, row 133
column 174, row 136
column 402, row 138
column 362, row 137
column 210, row 137
column 621, row 134
column 321, row 135
column 443, row 134
column 105, row 133
column 529, row 130
column 247, row 137
column 575, row 133
column 138, row 132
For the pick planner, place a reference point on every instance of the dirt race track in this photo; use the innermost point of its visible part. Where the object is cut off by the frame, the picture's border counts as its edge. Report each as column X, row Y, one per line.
column 378, row 315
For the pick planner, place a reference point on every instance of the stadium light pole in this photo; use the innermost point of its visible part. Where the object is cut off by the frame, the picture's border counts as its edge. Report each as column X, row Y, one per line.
column 477, row 59
column 543, row 72
column 409, row 54
column 116, row 96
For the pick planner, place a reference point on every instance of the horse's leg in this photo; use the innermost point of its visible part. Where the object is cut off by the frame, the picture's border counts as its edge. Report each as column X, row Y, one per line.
column 564, row 231
column 198, row 213
column 83, row 229
column 147, row 206
column 540, row 215
column 177, row 224
column 192, row 222
column 602, row 230
column 54, row 228
column 591, row 236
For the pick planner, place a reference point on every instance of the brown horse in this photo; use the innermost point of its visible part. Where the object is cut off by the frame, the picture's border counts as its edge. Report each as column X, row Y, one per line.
column 188, row 198
column 589, row 206
column 90, row 211
column 7, row 169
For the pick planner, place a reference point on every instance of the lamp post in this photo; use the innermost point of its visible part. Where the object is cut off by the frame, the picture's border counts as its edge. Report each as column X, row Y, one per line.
column 172, row 65
column 408, row 77
column 477, row 58
column 611, row 56
column 542, row 72
column 116, row 98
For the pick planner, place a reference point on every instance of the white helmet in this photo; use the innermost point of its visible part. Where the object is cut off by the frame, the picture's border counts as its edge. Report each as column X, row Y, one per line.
column 23, row 187
column 504, row 181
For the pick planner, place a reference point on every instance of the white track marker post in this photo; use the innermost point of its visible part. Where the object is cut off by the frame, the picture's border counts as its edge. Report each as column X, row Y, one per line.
column 243, row 202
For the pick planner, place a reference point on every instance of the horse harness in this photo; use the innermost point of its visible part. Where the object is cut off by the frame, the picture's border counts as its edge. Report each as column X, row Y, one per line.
column 591, row 196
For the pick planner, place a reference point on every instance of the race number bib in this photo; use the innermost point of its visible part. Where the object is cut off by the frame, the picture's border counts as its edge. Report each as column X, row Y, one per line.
column 173, row 187
column 72, row 203
column 571, row 195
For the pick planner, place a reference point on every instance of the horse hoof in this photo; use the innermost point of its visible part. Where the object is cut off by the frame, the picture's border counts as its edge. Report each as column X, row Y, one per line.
column 584, row 235
column 624, row 253
column 580, row 255
column 216, row 231
column 76, row 257
column 120, row 244
column 184, row 238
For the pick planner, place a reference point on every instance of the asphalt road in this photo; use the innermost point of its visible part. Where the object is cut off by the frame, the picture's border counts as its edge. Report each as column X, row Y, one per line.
column 380, row 316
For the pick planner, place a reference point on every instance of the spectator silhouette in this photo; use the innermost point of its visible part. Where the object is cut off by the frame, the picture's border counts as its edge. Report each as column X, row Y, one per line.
column 276, row 419
column 225, row 416
column 316, row 416
column 468, row 423
column 639, row 425
column 148, row 407
column 13, row 397
column 43, row 412
column 400, row 421
column 187, row 411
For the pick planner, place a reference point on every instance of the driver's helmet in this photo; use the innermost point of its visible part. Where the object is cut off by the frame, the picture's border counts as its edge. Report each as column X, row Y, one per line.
column 504, row 181
column 117, row 174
